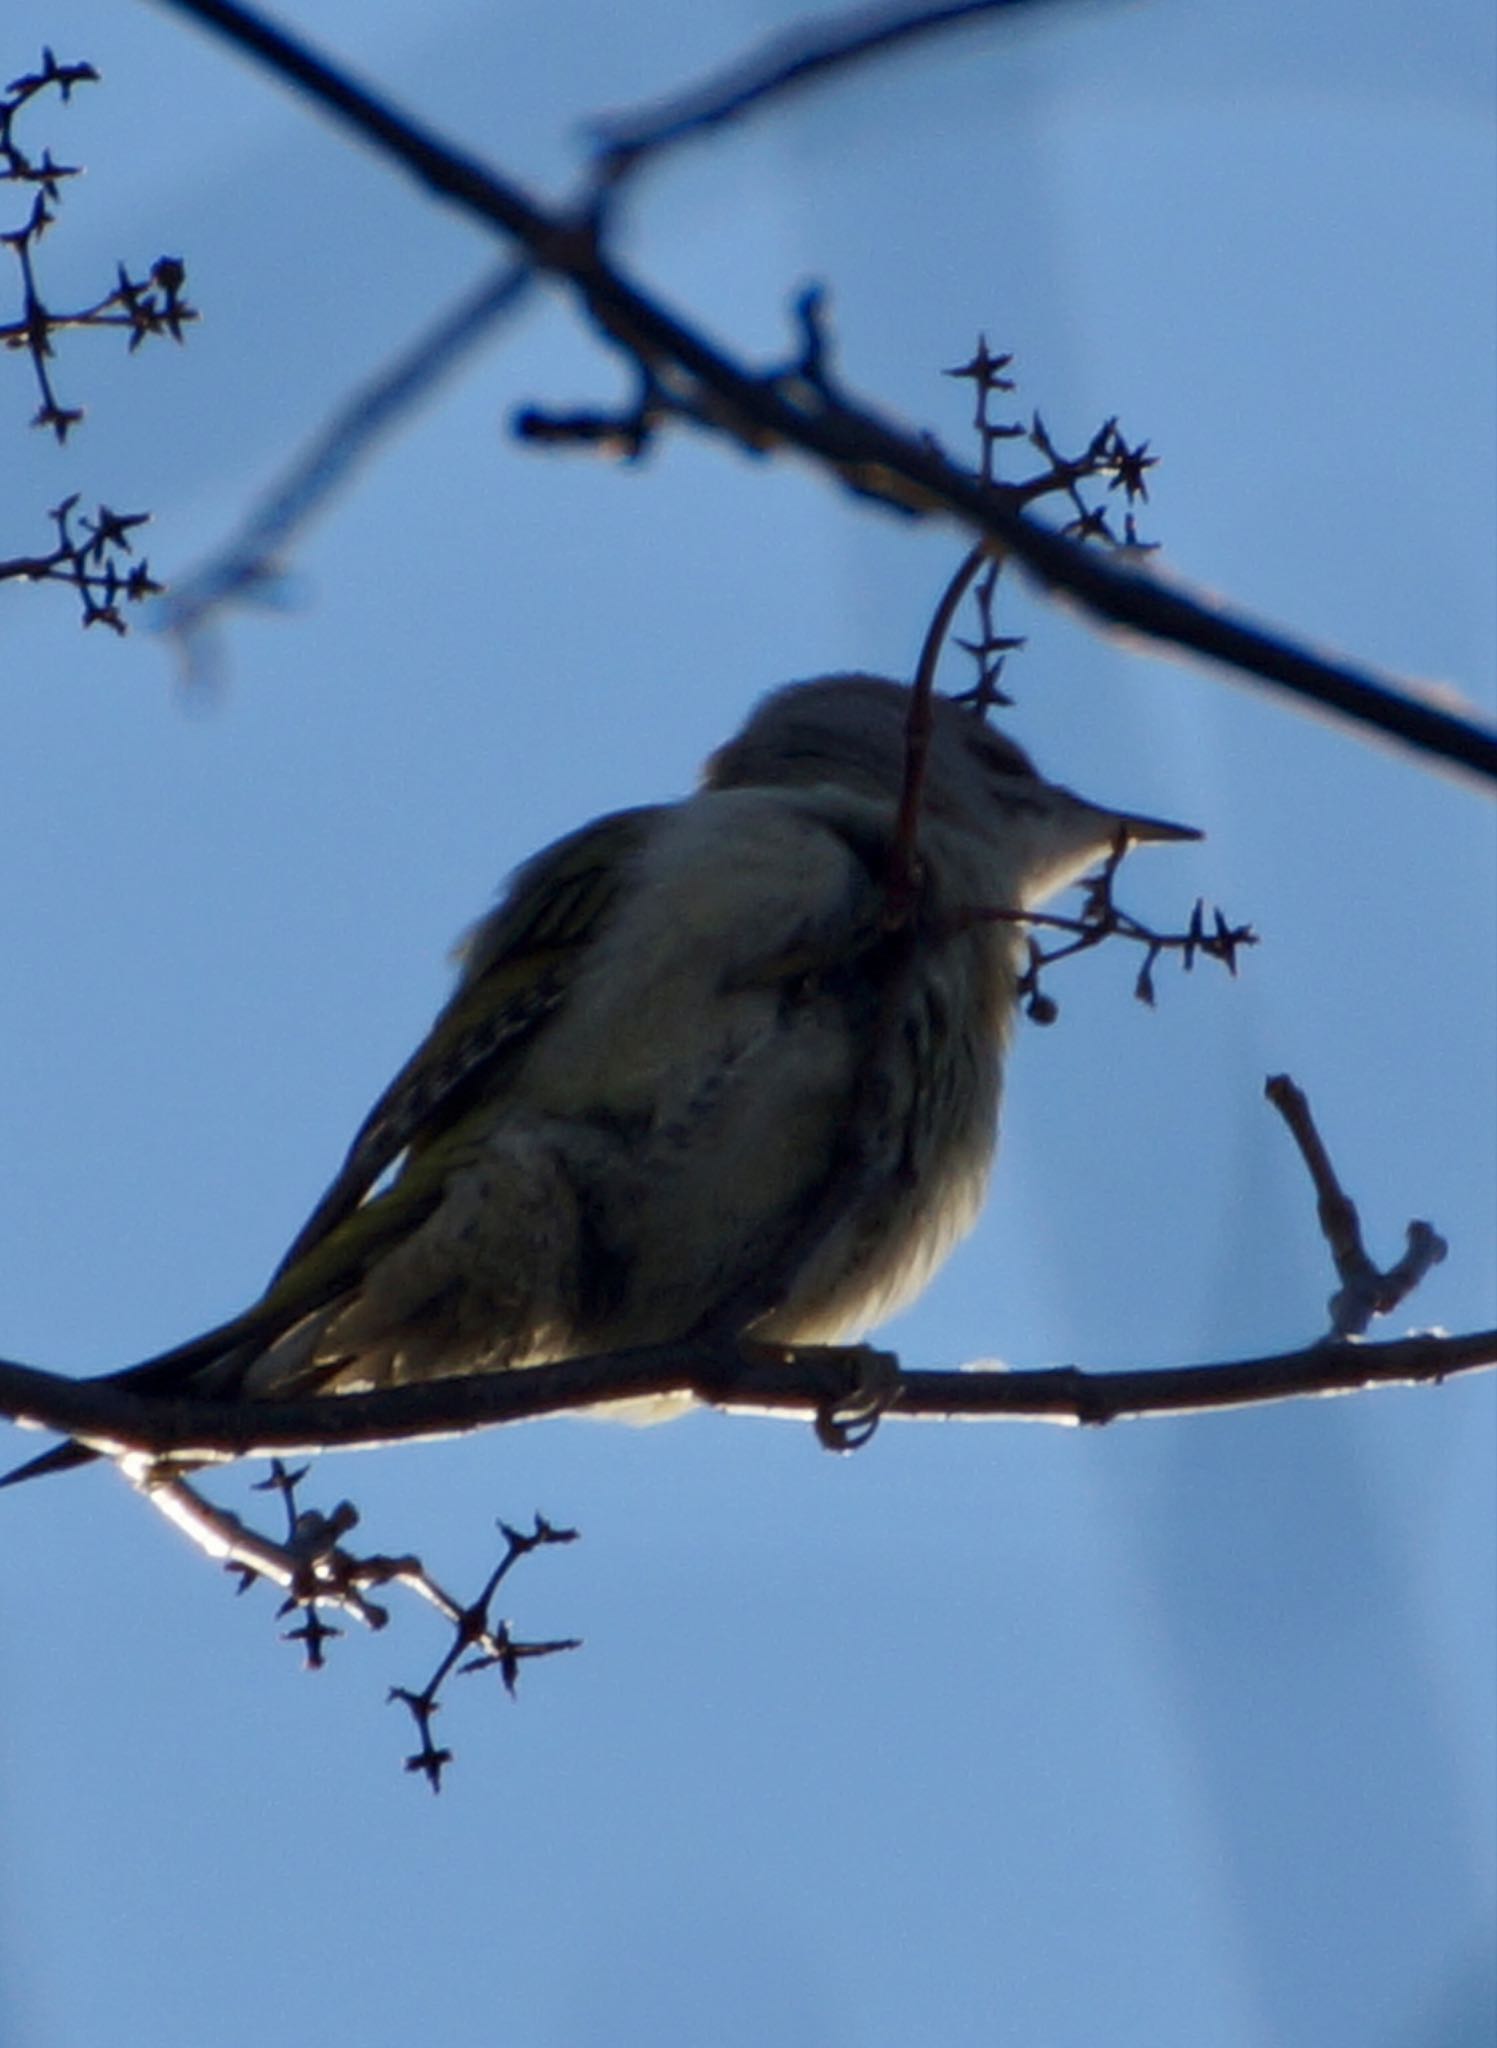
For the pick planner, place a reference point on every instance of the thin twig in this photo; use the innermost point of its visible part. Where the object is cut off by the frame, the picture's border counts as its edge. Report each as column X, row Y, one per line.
column 1103, row 918
column 486, row 1645
column 901, row 881
column 154, row 305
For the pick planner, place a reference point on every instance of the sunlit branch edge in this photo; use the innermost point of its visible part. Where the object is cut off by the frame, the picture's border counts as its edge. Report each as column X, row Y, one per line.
column 743, row 1378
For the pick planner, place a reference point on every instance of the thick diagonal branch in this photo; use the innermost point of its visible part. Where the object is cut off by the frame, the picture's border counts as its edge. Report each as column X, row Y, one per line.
column 869, row 454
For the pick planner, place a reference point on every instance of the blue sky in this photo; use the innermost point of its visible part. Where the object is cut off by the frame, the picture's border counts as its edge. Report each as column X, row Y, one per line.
column 1178, row 1733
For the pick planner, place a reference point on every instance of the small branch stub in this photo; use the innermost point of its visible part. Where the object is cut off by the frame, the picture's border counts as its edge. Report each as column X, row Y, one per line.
column 1366, row 1290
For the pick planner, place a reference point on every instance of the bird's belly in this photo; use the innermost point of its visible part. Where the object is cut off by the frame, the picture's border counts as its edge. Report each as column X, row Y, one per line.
column 778, row 1190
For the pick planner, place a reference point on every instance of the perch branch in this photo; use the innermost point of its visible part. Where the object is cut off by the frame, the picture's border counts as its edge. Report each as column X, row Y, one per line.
column 740, row 1375
column 799, row 1382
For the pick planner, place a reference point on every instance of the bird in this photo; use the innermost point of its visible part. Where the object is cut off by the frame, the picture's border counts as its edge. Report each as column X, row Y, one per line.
column 722, row 1067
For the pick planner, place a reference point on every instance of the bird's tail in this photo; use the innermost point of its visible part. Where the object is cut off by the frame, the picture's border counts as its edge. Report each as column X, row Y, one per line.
column 61, row 1458
column 201, row 1366
column 213, row 1366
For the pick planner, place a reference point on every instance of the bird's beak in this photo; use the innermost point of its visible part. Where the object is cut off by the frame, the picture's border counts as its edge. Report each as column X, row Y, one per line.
column 1074, row 833
column 1106, row 823
column 1141, row 830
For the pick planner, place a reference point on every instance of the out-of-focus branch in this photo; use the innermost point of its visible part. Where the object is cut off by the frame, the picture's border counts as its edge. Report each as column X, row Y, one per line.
column 250, row 564
column 797, row 57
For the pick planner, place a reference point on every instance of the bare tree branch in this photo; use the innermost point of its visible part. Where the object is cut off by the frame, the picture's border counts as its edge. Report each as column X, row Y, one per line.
column 802, row 1382
column 869, row 454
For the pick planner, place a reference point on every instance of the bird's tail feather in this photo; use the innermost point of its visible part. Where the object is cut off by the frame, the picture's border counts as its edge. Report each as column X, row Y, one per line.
column 176, row 1371
column 213, row 1365
column 61, row 1458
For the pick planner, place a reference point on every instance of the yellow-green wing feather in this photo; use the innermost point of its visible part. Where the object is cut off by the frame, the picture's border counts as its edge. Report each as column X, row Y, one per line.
column 518, row 966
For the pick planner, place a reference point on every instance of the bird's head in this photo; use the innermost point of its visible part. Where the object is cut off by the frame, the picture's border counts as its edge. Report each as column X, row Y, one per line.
column 850, row 731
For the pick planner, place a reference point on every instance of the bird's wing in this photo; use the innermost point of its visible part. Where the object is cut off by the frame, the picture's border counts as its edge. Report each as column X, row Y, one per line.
column 518, row 965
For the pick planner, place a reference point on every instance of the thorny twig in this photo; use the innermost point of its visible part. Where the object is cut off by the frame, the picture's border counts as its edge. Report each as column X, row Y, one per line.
column 142, row 306
column 33, row 330
column 1108, row 458
column 1103, row 918
column 1108, row 455
column 96, row 557
column 990, row 649
column 153, row 305
column 16, row 166
column 93, row 563
column 318, row 1573
column 491, row 1643
column 1366, row 1290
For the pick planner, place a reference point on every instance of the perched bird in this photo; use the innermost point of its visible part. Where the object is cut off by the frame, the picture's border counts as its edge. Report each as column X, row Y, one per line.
column 709, row 1067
